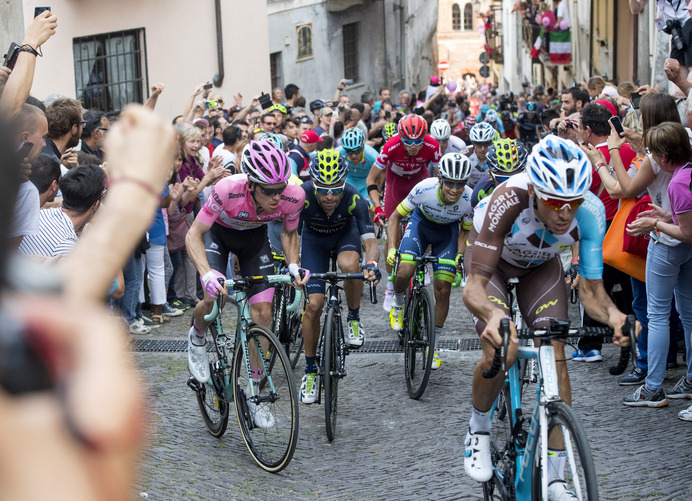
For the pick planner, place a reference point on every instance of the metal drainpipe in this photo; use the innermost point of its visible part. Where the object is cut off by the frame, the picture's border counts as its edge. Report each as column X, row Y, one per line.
column 384, row 33
column 218, row 78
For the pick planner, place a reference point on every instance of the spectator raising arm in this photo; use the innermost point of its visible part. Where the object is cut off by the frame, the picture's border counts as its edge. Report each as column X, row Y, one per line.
column 18, row 85
column 156, row 91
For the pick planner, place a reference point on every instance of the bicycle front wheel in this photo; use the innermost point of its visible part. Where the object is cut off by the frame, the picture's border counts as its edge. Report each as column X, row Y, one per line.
column 211, row 397
column 267, row 414
column 501, row 485
column 331, row 371
column 419, row 343
column 294, row 320
column 580, row 472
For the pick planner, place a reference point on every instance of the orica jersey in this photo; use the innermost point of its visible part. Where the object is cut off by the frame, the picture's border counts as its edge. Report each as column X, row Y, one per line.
column 427, row 198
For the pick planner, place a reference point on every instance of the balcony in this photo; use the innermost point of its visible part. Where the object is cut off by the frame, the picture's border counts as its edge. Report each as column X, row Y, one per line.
column 342, row 5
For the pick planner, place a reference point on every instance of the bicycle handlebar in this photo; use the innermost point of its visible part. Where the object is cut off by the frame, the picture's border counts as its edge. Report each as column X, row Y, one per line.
column 410, row 258
column 334, row 277
column 559, row 329
column 245, row 283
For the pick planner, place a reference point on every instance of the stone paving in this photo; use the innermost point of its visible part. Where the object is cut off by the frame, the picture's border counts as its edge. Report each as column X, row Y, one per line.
column 391, row 447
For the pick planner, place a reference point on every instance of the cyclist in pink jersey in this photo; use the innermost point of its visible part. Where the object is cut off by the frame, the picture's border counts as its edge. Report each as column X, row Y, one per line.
column 233, row 220
column 404, row 162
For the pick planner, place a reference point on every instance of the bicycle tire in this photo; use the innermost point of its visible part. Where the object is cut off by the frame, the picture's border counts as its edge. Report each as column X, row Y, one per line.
column 501, row 485
column 331, row 370
column 272, row 447
column 419, row 338
column 211, row 398
column 562, row 416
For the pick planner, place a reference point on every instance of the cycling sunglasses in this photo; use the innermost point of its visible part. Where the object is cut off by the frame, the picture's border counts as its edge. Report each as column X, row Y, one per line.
column 336, row 190
column 558, row 204
column 271, row 192
column 412, row 142
column 353, row 152
column 451, row 184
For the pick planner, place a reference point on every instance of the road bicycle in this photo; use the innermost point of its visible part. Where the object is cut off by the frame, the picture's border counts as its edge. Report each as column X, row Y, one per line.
column 418, row 334
column 331, row 348
column 287, row 324
column 519, row 447
column 251, row 371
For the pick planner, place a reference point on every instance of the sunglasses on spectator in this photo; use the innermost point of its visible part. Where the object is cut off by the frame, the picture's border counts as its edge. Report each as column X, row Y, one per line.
column 559, row 204
column 305, row 120
column 451, row 184
column 82, row 123
column 353, row 152
column 335, row 190
column 271, row 192
column 413, row 142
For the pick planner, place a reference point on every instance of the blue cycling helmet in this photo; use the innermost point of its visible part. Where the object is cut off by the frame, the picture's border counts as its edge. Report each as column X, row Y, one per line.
column 558, row 168
column 353, row 139
column 274, row 138
column 531, row 106
column 485, row 108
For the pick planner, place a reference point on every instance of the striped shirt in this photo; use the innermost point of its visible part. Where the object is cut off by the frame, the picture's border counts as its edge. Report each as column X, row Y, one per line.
column 56, row 235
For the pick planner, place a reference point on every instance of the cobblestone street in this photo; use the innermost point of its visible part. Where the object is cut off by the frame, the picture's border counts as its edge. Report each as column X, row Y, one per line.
column 391, row 447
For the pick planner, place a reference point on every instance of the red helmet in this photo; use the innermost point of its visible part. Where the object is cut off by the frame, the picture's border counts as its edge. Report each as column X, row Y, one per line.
column 412, row 127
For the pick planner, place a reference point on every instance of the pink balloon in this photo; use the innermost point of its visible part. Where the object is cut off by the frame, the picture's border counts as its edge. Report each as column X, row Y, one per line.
column 546, row 21
column 451, row 86
column 564, row 25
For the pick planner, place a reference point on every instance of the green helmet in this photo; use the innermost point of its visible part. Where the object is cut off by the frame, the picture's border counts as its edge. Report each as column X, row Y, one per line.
column 388, row 130
column 328, row 167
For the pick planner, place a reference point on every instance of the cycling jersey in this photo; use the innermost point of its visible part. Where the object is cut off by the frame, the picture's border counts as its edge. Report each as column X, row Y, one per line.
column 350, row 208
column 358, row 174
column 426, row 198
column 508, row 228
column 483, row 188
column 337, row 232
column 231, row 205
column 455, row 145
column 403, row 171
column 477, row 172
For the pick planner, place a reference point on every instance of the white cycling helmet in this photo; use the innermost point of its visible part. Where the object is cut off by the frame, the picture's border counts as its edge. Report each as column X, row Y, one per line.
column 440, row 130
column 455, row 167
column 482, row 133
column 558, row 168
column 491, row 116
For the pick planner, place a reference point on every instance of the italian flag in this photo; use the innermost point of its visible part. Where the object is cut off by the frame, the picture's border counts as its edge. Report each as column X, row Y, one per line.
column 537, row 45
column 561, row 47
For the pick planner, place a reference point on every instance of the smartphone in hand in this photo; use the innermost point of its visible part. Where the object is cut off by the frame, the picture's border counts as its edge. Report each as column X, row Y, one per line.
column 617, row 125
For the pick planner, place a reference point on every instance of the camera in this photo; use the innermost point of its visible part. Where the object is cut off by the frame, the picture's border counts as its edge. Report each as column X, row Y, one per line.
column 348, row 82
column 569, row 124
column 211, row 105
column 674, row 29
column 265, row 100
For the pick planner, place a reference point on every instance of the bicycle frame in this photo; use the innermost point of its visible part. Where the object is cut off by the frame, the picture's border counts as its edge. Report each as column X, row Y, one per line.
column 547, row 391
column 243, row 322
column 334, row 303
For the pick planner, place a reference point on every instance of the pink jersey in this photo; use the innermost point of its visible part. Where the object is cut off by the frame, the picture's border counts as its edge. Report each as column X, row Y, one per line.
column 394, row 158
column 231, row 205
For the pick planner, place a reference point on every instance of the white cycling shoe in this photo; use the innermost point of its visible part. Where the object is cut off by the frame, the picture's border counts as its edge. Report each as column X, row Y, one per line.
column 477, row 461
column 557, row 491
column 261, row 415
column 197, row 360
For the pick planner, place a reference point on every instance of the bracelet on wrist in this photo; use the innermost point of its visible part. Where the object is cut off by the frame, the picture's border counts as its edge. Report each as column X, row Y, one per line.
column 28, row 48
column 611, row 149
column 124, row 179
column 575, row 260
column 372, row 263
column 656, row 224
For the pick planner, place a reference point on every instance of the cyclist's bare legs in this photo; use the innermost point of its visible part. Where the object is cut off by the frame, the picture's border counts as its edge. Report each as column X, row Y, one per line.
column 442, row 291
column 403, row 276
column 349, row 262
column 485, row 391
column 311, row 323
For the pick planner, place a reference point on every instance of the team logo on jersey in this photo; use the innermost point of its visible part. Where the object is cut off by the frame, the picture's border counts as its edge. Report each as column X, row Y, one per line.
column 235, row 195
column 213, row 246
column 243, row 214
column 264, row 258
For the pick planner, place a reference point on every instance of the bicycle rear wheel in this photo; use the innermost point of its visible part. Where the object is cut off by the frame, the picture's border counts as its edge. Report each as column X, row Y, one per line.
column 419, row 339
column 268, row 419
column 331, row 372
column 580, row 472
column 211, row 397
column 501, row 485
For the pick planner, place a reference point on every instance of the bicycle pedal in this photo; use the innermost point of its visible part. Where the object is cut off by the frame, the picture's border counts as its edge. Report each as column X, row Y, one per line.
column 193, row 384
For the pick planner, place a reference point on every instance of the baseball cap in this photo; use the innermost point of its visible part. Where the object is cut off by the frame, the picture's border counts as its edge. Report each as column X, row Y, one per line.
column 326, row 111
column 310, row 137
column 435, row 80
column 608, row 105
